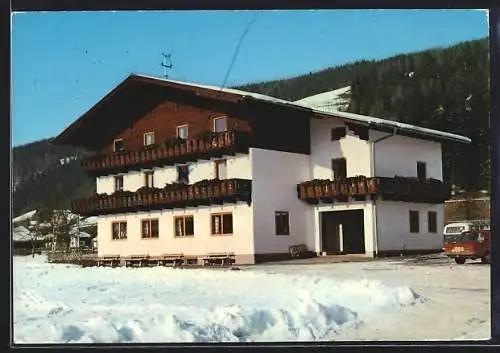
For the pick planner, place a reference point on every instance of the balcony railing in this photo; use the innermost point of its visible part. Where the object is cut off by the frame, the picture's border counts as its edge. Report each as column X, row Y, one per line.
column 395, row 189
column 205, row 192
column 177, row 152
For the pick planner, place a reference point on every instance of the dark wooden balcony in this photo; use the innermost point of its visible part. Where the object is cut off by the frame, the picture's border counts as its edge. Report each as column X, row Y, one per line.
column 205, row 192
column 360, row 188
column 181, row 151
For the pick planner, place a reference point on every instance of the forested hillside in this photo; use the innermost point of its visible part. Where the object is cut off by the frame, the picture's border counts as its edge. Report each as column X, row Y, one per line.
column 47, row 175
column 444, row 88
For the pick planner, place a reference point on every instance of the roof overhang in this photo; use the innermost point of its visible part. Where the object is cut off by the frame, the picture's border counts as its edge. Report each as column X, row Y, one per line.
column 138, row 94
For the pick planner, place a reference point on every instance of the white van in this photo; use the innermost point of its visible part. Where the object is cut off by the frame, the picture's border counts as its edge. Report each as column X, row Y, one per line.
column 452, row 230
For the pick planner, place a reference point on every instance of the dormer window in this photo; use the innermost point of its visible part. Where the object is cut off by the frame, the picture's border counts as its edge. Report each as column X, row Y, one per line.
column 118, row 145
column 220, row 124
column 149, row 138
column 183, row 132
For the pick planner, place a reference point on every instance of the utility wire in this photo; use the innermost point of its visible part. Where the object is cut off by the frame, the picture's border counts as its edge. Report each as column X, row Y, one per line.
column 238, row 49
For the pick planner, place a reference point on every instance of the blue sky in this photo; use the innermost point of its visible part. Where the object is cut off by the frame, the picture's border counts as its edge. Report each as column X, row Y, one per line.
column 63, row 63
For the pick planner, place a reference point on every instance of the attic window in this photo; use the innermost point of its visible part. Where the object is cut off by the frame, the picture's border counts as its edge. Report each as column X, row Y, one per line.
column 118, row 145
column 337, row 133
column 220, row 124
column 149, row 138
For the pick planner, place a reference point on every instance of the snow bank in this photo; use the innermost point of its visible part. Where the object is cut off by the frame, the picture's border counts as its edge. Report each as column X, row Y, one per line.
column 64, row 303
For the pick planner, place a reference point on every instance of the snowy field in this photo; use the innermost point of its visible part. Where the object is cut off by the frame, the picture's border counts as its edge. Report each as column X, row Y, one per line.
column 377, row 300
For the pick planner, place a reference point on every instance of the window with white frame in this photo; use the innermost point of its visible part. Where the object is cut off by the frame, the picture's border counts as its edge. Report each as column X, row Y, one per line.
column 220, row 124
column 183, row 131
column 118, row 145
column 149, row 138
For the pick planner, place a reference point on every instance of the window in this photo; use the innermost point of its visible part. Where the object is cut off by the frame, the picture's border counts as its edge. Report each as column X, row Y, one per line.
column 149, row 138
column 421, row 171
column 119, row 183
column 119, row 230
column 149, row 179
column 222, row 223
column 183, row 131
column 281, row 219
column 118, row 145
column 183, row 174
column 337, row 133
column 220, row 169
column 339, row 168
column 184, row 226
column 432, row 221
column 414, row 222
column 220, row 124
column 150, row 228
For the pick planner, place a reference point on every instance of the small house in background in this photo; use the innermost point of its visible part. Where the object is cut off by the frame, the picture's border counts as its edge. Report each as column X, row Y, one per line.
column 182, row 168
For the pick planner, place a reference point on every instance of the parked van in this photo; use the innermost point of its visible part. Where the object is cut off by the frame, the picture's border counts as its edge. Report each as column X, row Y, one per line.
column 452, row 230
column 474, row 244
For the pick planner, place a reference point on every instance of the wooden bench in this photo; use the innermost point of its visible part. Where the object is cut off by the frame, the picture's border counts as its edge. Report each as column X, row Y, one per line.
column 113, row 260
column 132, row 260
column 172, row 259
column 300, row 251
column 218, row 258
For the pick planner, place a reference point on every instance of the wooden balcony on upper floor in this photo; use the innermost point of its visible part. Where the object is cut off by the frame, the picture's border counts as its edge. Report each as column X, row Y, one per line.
column 360, row 188
column 205, row 192
column 176, row 151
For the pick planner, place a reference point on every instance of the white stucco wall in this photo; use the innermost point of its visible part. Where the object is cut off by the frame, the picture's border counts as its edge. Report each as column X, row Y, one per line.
column 398, row 155
column 240, row 242
column 274, row 188
column 238, row 166
column 323, row 150
column 368, row 215
column 394, row 226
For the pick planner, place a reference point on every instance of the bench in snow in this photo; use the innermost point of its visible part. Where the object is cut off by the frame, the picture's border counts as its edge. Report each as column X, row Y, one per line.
column 173, row 259
column 216, row 258
column 132, row 260
column 113, row 260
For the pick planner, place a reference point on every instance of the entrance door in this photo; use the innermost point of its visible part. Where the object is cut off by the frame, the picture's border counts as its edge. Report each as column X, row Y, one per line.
column 343, row 232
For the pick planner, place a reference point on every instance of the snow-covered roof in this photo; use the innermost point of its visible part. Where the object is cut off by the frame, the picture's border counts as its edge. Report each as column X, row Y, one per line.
column 372, row 122
column 89, row 221
column 328, row 101
column 24, row 217
column 21, row 234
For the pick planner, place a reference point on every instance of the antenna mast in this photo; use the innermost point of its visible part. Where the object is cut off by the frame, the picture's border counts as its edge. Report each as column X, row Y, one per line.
column 167, row 64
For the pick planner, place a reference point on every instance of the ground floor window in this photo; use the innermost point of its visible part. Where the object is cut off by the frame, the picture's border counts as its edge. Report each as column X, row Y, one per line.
column 119, row 230
column 222, row 223
column 432, row 221
column 414, row 222
column 184, row 226
column 150, row 228
column 281, row 220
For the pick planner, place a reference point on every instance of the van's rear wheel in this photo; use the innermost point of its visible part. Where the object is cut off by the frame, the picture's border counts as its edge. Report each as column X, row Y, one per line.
column 486, row 259
column 460, row 260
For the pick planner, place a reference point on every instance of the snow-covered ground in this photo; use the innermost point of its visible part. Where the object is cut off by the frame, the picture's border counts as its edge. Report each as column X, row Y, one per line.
column 378, row 300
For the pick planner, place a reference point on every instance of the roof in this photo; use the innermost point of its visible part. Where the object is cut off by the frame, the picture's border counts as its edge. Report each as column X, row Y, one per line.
column 92, row 121
column 328, row 101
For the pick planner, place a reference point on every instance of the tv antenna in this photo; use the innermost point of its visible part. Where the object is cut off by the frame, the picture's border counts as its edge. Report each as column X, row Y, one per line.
column 167, row 64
